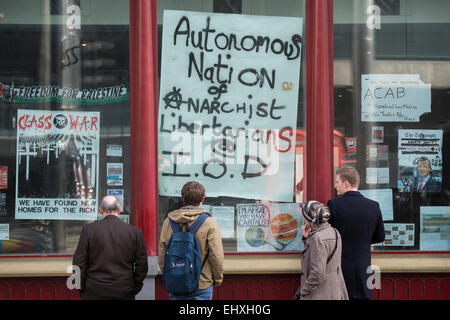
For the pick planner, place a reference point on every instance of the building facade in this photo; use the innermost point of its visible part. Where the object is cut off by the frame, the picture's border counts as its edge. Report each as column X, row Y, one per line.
column 260, row 101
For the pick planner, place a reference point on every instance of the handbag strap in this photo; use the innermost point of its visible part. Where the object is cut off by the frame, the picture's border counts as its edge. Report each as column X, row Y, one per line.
column 335, row 247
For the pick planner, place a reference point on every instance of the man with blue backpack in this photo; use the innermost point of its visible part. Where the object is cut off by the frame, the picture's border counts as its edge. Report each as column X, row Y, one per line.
column 190, row 249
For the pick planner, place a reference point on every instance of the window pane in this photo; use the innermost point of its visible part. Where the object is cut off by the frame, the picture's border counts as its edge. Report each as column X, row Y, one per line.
column 392, row 92
column 231, row 116
column 64, row 120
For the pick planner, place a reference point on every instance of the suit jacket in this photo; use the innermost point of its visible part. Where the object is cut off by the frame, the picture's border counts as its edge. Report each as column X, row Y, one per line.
column 360, row 224
column 430, row 186
column 112, row 258
column 319, row 280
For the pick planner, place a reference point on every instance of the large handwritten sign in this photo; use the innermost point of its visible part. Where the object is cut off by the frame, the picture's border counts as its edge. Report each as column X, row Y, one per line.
column 228, row 104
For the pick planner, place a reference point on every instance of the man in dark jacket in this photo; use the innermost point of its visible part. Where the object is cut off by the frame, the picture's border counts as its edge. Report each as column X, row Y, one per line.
column 111, row 255
column 360, row 224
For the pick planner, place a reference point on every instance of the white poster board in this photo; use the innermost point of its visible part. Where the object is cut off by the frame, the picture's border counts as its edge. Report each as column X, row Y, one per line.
column 384, row 199
column 224, row 216
column 228, row 104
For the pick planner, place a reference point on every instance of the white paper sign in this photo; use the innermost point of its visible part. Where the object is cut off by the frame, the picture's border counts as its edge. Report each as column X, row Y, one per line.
column 377, row 175
column 394, row 97
column 228, row 104
column 224, row 216
column 114, row 150
column 384, row 199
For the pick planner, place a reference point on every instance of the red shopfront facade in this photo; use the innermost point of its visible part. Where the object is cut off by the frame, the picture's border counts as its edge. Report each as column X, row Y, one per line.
column 332, row 115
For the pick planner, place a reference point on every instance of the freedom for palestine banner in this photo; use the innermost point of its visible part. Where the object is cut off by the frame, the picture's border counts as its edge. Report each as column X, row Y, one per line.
column 78, row 96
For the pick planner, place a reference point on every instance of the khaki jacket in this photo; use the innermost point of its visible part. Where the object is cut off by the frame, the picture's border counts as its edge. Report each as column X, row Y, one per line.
column 319, row 280
column 209, row 238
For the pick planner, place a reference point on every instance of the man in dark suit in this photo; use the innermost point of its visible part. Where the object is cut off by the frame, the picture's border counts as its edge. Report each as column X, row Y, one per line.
column 111, row 255
column 360, row 224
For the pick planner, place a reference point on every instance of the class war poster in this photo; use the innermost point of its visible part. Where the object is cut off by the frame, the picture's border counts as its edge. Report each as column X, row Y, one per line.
column 57, row 164
column 228, row 104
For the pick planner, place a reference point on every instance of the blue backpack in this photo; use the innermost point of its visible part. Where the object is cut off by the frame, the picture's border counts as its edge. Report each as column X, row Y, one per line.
column 182, row 260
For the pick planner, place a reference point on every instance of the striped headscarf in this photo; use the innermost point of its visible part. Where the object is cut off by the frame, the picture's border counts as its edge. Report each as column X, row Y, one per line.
column 315, row 212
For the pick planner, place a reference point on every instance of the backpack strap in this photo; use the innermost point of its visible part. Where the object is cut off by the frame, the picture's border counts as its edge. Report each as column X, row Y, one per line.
column 195, row 226
column 197, row 223
column 335, row 247
column 175, row 226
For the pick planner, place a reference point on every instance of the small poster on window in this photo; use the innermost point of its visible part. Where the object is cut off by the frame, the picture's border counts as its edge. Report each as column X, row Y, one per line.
column 394, row 97
column 3, row 177
column 4, row 231
column 419, row 160
column 114, row 174
column 351, row 144
column 224, row 216
column 435, row 228
column 377, row 152
column 377, row 175
column 399, row 234
column 3, row 208
column 269, row 227
column 114, row 150
column 377, row 134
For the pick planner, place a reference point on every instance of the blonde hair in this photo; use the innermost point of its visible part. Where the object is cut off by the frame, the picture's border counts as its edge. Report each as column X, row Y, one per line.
column 349, row 174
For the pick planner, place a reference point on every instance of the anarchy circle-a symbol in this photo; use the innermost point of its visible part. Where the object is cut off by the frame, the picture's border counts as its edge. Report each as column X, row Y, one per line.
column 173, row 99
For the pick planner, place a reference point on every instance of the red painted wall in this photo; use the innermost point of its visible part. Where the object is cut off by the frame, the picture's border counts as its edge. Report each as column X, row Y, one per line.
column 283, row 287
column 243, row 287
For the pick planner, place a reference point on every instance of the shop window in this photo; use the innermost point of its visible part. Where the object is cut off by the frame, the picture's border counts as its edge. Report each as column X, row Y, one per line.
column 388, row 7
column 64, row 120
column 231, row 116
column 392, row 93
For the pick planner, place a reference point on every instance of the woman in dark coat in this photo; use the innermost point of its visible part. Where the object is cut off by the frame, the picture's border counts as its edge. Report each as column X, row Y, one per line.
column 321, row 279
